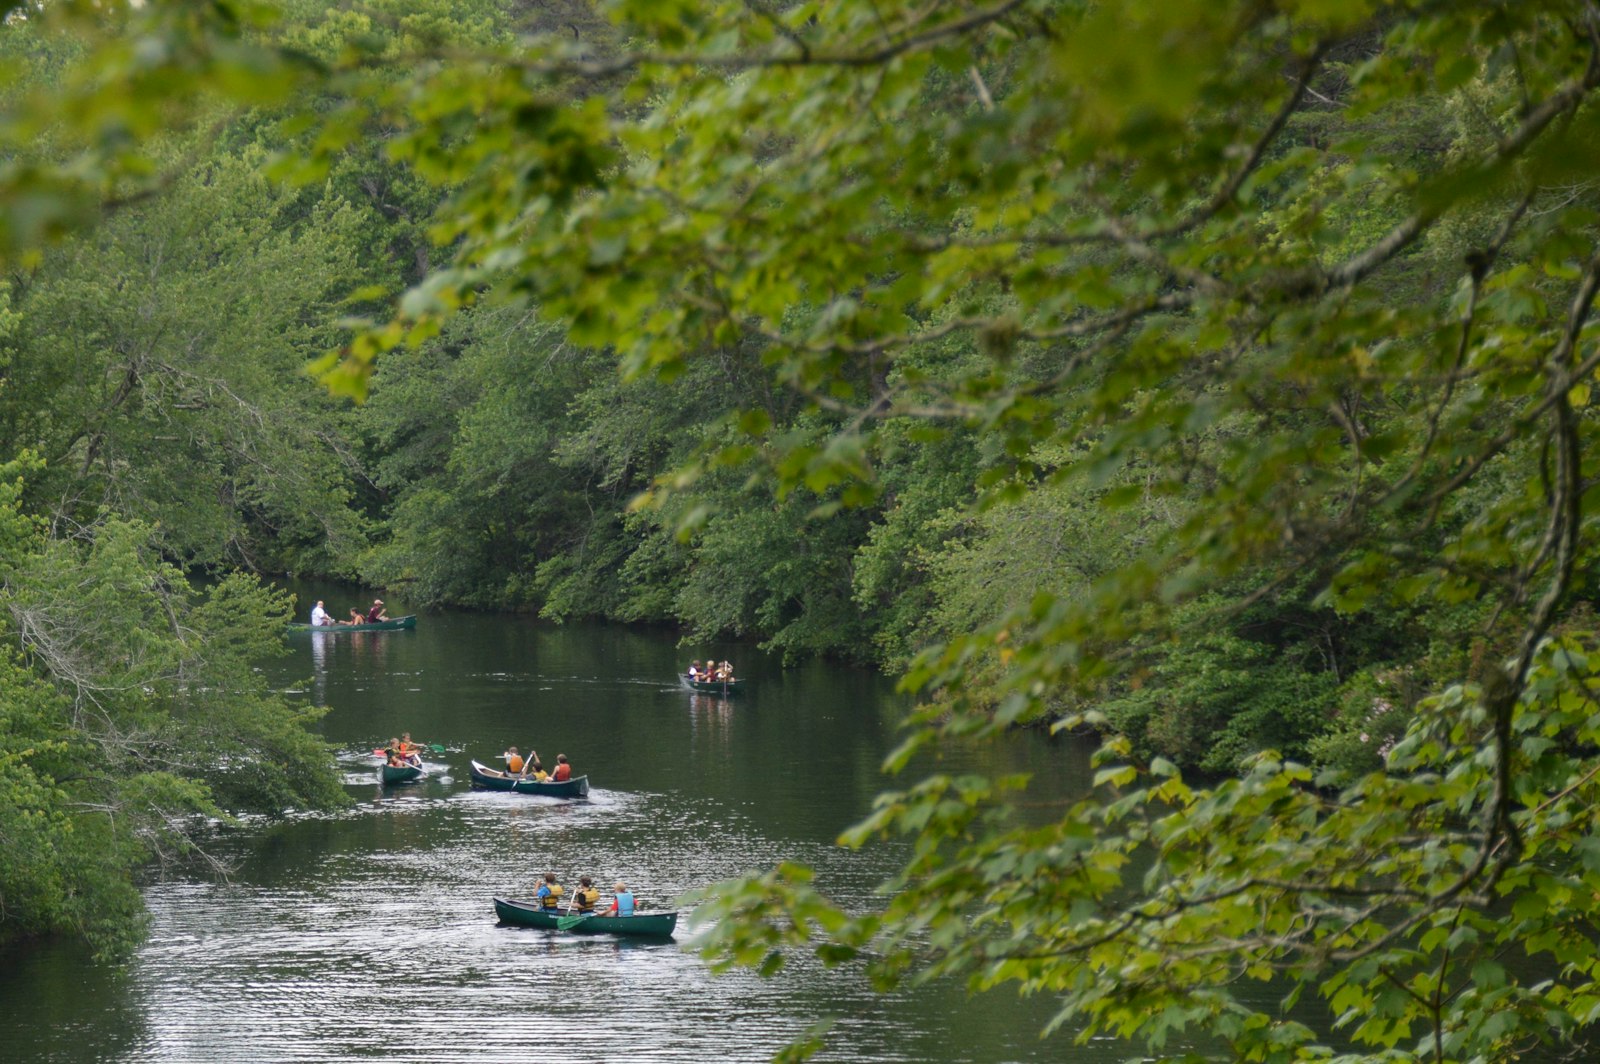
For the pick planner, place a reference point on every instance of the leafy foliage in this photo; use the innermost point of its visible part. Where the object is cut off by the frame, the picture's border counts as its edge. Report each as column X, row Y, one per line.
column 132, row 715
column 1264, row 334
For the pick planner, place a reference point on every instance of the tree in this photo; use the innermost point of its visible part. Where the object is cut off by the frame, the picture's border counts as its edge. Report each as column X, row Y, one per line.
column 133, row 716
column 158, row 369
column 1199, row 250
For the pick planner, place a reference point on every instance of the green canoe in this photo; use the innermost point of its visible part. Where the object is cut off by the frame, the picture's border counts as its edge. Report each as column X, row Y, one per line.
column 400, row 773
column 528, row 914
column 394, row 624
column 488, row 779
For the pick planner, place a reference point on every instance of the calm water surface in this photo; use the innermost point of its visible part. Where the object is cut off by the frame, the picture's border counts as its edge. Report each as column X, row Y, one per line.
column 370, row 932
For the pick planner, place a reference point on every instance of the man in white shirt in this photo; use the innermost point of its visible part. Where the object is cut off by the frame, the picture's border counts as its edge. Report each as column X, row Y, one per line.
column 319, row 616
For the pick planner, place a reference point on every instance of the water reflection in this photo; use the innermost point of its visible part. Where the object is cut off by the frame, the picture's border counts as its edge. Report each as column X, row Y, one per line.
column 319, row 667
column 339, row 931
column 55, row 1005
column 710, row 715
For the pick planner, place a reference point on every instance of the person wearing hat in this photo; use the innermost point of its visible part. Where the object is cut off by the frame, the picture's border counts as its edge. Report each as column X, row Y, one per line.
column 376, row 614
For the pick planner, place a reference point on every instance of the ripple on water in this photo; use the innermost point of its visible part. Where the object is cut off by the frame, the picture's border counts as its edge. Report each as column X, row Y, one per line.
column 333, row 974
column 384, row 938
column 369, row 932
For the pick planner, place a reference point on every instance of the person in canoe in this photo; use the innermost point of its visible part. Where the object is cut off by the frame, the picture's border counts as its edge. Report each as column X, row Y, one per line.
column 514, row 761
column 321, row 617
column 356, row 616
column 622, row 903
column 549, row 893
column 534, row 770
column 695, row 672
column 410, row 750
column 403, row 752
column 586, row 898
column 376, row 615
column 563, row 771
column 725, row 672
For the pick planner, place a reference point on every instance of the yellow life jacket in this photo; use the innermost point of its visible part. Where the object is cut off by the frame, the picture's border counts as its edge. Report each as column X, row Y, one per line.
column 552, row 897
column 586, row 897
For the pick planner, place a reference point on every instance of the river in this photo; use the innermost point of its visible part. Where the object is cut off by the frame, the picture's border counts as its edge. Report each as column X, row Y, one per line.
column 370, row 932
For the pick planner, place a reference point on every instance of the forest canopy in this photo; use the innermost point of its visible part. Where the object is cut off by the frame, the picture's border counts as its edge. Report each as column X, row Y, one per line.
column 1213, row 377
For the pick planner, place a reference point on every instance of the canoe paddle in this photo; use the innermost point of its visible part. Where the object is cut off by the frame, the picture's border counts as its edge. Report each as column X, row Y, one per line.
column 568, row 922
column 565, row 923
column 533, row 756
column 433, row 748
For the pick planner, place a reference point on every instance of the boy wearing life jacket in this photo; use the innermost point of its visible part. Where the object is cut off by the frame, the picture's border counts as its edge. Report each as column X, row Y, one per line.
column 549, row 893
column 622, row 904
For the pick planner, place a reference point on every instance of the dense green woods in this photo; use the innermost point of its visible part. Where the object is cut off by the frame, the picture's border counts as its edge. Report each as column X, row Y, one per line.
column 1213, row 376
column 132, row 717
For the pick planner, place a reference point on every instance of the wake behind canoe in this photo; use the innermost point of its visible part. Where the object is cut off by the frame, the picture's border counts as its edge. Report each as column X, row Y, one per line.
column 528, row 914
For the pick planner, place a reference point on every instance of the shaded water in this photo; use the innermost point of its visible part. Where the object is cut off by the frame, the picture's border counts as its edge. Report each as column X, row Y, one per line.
column 370, row 932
